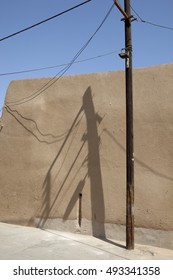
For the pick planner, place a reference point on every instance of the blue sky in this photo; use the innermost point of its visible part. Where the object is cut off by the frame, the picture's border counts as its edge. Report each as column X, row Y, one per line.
column 57, row 41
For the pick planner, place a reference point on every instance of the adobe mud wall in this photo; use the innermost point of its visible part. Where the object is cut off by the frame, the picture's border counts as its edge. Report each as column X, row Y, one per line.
column 63, row 150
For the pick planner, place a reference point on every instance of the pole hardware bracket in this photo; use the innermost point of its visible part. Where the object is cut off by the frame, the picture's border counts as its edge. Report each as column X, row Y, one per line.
column 130, row 18
column 124, row 53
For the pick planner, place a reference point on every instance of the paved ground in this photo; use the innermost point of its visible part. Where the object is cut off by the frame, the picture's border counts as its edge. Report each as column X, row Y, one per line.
column 17, row 242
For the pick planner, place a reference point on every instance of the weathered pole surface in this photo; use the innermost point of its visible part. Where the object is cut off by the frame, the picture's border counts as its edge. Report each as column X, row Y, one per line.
column 129, row 132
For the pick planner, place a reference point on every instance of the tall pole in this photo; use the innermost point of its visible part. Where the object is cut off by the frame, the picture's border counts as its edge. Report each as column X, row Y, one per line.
column 129, row 124
column 129, row 132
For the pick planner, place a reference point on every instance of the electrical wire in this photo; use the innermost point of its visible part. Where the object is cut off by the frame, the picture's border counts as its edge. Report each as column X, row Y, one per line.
column 43, row 21
column 59, row 65
column 61, row 72
column 148, row 22
column 157, row 25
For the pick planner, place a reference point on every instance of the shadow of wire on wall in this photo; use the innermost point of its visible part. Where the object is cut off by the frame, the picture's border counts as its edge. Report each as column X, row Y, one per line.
column 31, row 126
column 49, row 180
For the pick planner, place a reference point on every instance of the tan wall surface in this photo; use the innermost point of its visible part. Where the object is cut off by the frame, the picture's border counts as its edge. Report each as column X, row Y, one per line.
column 70, row 140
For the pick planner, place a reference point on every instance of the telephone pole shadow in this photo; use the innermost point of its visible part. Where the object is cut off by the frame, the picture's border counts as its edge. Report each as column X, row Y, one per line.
column 94, row 166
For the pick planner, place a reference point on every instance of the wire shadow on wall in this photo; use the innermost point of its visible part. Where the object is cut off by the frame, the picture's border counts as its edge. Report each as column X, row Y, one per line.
column 31, row 126
column 47, row 206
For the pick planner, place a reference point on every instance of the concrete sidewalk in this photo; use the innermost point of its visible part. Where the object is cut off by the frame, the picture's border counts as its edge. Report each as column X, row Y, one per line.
column 26, row 243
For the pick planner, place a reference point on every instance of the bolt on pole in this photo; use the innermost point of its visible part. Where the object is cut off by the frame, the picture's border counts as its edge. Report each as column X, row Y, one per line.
column 129, row 132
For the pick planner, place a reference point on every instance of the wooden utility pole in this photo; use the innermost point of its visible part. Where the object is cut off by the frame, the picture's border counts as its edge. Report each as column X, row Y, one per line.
column 129, row 133
column 129, row 125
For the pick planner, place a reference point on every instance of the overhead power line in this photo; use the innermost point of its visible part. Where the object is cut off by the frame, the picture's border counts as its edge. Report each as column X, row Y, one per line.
column 151, row 23
column 61, row 72
column 43, row 21
column 157, row 25
column 59, row 65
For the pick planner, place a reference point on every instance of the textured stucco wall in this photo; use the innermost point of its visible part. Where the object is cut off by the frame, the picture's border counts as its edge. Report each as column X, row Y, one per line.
column 70, row 140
